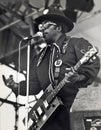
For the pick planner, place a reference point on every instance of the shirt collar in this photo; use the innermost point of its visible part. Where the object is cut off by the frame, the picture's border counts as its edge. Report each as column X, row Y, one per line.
column 61, row 40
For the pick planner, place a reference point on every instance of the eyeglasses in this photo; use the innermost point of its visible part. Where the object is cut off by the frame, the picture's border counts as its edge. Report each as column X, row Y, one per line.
column 46, row 25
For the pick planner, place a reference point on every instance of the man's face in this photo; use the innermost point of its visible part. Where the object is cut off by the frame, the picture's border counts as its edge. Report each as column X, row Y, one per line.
column 49, row 31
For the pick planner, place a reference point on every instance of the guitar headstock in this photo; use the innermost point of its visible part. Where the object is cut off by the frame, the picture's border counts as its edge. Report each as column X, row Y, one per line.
column 89, row 54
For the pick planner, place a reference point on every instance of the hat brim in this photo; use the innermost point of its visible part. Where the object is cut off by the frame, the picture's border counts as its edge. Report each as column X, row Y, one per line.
column 57, row 19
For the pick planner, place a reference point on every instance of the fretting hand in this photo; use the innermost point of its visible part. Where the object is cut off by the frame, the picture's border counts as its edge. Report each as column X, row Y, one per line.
column 74, row 77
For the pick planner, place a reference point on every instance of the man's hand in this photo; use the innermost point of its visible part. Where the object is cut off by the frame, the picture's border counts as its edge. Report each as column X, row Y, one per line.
column 10, row 82
column 74, row 77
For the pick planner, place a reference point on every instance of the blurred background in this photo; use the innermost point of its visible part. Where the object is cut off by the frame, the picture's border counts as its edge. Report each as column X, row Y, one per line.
column 16, row 22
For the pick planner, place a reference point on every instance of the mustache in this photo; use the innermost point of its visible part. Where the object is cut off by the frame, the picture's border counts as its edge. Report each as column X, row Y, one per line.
column 44, row 34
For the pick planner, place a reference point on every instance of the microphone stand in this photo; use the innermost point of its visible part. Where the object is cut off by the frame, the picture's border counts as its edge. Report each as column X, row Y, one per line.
column 28, row 65
column 27, row 85
column 16, row 115
column 27, row 92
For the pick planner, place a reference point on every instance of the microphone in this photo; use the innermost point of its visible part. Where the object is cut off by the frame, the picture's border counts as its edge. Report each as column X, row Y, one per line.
column 37, row 35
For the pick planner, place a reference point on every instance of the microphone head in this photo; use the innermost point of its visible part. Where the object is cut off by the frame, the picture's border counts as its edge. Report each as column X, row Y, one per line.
column 35, row 36
column 40, row 34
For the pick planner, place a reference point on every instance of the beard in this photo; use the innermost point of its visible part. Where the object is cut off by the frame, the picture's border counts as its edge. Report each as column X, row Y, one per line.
column 48, row 39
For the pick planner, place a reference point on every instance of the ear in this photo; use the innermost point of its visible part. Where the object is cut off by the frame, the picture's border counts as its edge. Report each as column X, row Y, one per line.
column 59, row 28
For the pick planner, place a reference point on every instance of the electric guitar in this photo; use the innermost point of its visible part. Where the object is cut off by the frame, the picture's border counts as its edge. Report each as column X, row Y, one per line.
column 49, row 102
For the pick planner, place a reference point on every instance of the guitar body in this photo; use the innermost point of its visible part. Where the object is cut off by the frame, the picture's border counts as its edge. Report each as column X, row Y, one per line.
column 42, row 110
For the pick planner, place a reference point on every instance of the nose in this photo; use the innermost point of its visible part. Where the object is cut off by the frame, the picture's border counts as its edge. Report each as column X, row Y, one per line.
column 45, row 31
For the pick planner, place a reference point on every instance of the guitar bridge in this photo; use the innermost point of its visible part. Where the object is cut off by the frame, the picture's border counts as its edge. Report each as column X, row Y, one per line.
column 40, row 111
column 46, row 105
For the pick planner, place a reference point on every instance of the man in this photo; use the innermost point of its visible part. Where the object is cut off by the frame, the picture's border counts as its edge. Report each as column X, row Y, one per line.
column 43, row 70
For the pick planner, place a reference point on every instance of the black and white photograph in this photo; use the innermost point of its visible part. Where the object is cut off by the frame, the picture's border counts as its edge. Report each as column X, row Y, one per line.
column 50, row 60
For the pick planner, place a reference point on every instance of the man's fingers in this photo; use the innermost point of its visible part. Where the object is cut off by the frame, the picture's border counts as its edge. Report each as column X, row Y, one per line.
column 10, row 82
column 68, row 69
column 69, row 74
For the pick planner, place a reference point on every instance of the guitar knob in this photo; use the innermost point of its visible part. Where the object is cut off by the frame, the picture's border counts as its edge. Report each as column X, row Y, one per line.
column 53, row 105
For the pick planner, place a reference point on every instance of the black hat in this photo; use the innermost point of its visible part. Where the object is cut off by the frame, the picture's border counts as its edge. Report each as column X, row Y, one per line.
column 57, row 16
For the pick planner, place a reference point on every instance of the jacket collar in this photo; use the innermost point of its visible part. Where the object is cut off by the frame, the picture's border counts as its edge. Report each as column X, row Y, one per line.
column 62, row 43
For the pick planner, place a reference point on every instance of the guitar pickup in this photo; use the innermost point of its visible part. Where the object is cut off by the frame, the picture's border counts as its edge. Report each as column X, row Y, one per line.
column 40, row 111
column 35, row 115
column 46, row 105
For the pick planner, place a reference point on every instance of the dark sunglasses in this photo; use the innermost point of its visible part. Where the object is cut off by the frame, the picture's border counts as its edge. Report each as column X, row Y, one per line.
column 46, row 25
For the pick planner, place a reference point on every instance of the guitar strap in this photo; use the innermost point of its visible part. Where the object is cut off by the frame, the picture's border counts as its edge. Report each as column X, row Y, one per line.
column 57, row 64
column 51, row 75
